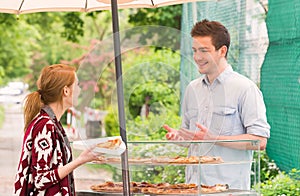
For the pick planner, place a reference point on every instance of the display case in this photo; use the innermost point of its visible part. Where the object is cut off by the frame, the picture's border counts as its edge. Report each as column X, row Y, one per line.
column 222, row 167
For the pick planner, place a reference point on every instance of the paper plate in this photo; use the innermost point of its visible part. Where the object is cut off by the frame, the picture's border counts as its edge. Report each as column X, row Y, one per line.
column 84, row 144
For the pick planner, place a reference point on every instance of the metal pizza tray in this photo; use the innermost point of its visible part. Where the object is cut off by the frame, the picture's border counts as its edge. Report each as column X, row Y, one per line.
column 92, row 193
column 231, row 192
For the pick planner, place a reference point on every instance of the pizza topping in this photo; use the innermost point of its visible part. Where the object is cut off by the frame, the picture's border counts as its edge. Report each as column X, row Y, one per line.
column 110, row 144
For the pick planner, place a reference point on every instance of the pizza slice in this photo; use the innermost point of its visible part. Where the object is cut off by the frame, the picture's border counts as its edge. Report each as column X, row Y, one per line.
column 214, row 189
column 210, row 159
column 110, row 144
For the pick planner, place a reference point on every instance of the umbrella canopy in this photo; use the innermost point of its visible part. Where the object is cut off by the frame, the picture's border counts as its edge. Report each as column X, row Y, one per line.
column 31, row 6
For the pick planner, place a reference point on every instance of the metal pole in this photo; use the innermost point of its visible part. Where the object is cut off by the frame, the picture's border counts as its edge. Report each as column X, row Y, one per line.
column 120, row 94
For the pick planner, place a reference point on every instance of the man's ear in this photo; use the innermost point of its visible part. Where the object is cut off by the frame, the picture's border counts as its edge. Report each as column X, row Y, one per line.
column 223, row 50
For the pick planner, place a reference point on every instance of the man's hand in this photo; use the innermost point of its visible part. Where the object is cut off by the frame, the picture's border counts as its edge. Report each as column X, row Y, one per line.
column 172, row 133
column 203, row 133
column 185, row 134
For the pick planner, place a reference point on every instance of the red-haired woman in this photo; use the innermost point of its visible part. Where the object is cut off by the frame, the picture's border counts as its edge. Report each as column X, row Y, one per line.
column 46, row 164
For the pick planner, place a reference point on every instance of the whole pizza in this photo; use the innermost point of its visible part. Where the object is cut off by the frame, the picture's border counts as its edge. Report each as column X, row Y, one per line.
column 159, row 188
column 166, row 160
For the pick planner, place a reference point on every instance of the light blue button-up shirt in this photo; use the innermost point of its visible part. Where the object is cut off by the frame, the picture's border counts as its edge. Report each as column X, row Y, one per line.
column 231, row 105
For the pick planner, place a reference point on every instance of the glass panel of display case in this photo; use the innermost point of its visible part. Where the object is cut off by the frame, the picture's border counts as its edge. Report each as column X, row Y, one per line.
column 227, row 167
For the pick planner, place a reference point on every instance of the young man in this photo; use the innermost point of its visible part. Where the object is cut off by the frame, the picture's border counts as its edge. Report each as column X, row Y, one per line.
column 220, row 105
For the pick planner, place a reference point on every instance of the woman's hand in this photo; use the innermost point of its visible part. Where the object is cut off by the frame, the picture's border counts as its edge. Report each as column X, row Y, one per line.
column 89, row 155
column 86, row 156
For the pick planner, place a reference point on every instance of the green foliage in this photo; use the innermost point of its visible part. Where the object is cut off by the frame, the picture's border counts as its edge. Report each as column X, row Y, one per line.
column 268, row 168
column 15, row 54
column 158, row 174
column 151, row 127
column 277, row 183
column 161, row 95
column 111, row 123
column 153, row 74
column 169, row 16
column 282, row 184
column 31, row 41
column 73, row 26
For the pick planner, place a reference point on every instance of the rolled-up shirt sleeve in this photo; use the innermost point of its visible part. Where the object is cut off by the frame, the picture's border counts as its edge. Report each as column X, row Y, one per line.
column 253, row 113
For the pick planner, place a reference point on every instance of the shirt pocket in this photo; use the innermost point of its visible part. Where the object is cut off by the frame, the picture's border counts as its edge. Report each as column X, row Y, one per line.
column 224, row 120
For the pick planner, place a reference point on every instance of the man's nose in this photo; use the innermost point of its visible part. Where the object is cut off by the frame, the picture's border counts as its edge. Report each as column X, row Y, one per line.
column 198, row 55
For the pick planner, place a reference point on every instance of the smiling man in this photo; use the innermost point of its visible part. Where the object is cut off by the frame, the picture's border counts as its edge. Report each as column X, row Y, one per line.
column 220, row 105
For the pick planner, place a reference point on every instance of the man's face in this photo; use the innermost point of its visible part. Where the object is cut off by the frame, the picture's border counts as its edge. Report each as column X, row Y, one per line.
column 206, row 56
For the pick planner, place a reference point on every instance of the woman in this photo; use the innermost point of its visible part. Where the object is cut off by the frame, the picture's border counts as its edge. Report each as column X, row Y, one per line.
column 46, row 164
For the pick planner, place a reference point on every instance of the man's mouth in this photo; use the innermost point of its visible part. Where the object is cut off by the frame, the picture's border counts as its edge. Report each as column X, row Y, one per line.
column 201, row 64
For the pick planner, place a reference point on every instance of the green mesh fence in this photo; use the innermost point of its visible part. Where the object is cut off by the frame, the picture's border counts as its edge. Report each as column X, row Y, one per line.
column 280, row 79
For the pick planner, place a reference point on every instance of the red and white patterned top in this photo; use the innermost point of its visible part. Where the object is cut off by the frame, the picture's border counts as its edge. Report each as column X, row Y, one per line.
column 43, row 152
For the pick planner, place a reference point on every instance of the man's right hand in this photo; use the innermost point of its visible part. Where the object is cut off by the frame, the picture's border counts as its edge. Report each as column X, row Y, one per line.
column 172, row 133
column 185, row 134
column 181, row 134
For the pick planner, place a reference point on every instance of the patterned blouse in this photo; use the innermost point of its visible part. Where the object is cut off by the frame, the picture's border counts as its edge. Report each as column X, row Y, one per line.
column 45, row 149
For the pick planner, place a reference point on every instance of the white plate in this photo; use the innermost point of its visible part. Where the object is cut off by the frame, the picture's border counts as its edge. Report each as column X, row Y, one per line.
column 84, row 144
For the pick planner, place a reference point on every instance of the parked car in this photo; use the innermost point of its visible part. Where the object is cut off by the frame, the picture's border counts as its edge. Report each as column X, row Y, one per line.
column 13, row 92
column 14, row 88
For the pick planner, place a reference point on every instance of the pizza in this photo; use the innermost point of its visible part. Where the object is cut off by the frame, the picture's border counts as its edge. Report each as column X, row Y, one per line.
column 214, row 189
column 210, row 159
column 196, row 159
column 110, row 144
column 108, row 186
column 165, row 160
column 160, row 188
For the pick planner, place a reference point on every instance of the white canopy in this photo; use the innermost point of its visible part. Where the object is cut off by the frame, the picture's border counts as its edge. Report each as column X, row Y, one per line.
column 31, row 6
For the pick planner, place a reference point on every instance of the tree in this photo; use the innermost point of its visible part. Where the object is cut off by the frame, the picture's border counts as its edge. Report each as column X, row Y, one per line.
column 169, row 16
column 15, row 55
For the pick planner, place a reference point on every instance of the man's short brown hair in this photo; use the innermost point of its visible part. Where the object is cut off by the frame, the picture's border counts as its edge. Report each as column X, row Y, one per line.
column 218, row 33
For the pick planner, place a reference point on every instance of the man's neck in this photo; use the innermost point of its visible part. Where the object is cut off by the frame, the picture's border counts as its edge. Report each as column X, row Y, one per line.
column 219, row 69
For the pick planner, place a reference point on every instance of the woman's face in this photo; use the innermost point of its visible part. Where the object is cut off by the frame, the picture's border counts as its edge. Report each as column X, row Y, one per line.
column 76, row 91
column 72, row 96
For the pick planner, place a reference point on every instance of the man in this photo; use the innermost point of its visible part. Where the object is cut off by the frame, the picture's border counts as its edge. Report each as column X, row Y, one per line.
column 220, row 105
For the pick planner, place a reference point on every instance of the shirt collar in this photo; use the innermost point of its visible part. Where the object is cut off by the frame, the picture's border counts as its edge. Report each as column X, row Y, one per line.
column 222, row 77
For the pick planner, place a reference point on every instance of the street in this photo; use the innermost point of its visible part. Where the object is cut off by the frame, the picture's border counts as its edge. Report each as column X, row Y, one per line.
column 11, row 135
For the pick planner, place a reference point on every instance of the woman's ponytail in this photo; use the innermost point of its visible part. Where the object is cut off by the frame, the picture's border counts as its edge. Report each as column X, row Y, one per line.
column 32, row 107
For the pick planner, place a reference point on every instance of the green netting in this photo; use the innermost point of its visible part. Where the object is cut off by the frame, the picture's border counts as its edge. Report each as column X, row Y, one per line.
column 280, row 83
